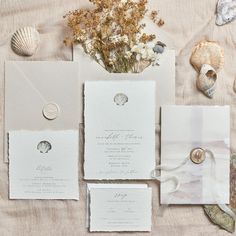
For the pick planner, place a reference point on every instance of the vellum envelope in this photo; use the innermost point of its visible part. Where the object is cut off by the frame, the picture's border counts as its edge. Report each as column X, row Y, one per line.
column 30, row 86
column 185, row 128
column 163, row 75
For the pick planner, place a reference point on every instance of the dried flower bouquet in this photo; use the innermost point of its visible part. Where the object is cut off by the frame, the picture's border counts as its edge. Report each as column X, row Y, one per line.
column 112, row 34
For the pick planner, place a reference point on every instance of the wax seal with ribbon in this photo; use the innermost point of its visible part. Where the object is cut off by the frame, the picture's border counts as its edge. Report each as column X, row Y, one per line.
column 197, row 156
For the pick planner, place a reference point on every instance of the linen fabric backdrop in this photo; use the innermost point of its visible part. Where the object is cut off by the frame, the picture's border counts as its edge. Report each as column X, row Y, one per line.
column 186, row 23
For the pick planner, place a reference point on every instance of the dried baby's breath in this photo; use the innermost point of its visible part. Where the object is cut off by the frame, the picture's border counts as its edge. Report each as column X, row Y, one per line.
column 112, row 33
column 160, row 22
column 156, row 19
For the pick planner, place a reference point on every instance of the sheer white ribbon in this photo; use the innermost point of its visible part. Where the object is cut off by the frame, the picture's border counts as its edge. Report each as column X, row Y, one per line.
column 155, row 174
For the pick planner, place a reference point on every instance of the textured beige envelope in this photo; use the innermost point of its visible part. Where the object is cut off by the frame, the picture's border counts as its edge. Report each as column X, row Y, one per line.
column 29, row 86
column 163, row 75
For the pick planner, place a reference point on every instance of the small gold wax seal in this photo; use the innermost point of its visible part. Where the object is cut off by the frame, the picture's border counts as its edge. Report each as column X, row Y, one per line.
column 197, row 155
column 51, row 111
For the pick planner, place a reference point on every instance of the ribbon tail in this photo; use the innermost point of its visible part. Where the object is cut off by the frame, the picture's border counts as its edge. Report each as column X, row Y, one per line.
column 223, row 207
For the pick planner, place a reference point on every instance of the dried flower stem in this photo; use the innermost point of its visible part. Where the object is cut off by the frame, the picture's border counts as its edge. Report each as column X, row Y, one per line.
column 111, row 33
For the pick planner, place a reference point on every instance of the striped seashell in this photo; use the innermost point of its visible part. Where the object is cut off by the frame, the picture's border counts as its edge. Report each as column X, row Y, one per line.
column 206, row 81
column 25, row 41
column 120, row 99
column 207, row 52
column 44, row 147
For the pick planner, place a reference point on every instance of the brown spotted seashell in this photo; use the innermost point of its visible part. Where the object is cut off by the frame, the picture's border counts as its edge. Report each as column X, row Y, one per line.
column 207, row 52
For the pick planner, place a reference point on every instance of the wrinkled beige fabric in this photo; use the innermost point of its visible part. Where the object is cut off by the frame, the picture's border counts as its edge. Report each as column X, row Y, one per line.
column 186, row 23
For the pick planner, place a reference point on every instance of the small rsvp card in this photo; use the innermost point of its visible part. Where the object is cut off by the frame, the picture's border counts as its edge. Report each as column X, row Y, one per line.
column 43, row 164
column 119, row 129
column 120, row 209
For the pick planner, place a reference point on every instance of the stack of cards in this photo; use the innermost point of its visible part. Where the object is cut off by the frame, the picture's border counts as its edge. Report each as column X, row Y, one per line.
column 42, row 115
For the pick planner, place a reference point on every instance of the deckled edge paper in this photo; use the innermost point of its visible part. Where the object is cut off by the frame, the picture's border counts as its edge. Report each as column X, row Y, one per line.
column 146, row 147
column 143, row 204
column 74, row 194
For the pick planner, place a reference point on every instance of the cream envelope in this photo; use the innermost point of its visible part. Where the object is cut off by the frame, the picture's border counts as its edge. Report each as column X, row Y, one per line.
column 163, row 75
column 29, row 86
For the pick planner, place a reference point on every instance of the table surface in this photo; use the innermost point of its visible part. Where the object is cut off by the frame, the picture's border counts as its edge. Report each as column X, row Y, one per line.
column 186, row 23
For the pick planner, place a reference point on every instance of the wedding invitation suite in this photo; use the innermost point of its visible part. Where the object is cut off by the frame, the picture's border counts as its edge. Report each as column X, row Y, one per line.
column 40, row 95
column 187, row 127
column 43, row 164
column 124, row 207
column 119, row 129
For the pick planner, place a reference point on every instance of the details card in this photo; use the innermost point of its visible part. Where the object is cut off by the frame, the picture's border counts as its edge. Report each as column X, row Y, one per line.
column 119, row 129
column 43, row 164
column 120, row 209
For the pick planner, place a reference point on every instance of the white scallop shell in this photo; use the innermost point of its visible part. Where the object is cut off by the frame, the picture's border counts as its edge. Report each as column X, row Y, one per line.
column 120, row 99
column 25, row 41
column 44, row 147
column 225, row 11
column 206, row 81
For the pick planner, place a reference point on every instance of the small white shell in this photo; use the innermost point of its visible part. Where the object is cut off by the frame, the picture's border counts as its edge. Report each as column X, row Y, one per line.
column 44, row 147
column 206, row 81
column 25, row 41
column 225, row 11
column 120, row 99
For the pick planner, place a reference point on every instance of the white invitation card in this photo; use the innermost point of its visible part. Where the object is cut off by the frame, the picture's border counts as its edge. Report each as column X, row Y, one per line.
column 43, row 164
column 119, row 129
column 120, row 207
column 187, row 127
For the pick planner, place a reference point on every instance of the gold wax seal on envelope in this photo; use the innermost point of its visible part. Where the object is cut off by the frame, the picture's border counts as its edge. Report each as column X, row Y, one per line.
column 197, row 155
column 51, row 111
